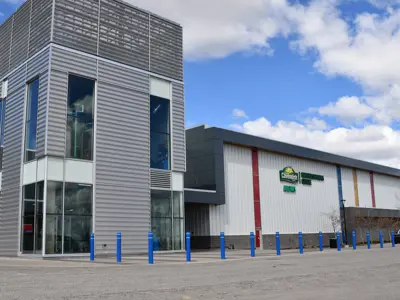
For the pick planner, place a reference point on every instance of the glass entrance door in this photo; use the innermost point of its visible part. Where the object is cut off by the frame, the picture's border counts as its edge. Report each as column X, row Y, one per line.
column 32, row 218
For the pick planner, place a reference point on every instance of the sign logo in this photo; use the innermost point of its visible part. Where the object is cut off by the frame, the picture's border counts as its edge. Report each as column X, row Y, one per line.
column 289, row 175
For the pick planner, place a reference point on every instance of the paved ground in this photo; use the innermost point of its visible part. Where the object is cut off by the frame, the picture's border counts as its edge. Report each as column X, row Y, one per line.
column 364, row 274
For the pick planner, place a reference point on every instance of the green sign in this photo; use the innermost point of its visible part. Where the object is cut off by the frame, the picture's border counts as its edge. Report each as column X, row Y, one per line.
column 289, row 175
column 289, row 189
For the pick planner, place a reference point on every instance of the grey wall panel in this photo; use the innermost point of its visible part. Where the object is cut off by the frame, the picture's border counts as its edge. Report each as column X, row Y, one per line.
column 78, row 64
column 40, row 29
column 41, row 117
column 124, row 34
column 109, row 73
column 11, row 178
column 5, row 38
column 76, row 24
column 17, row 79
column 166, row 53
column 38, row 65
column 178, row 128
column 122, row 168
column 160, row 179
column 20, row 35
column 57, row 113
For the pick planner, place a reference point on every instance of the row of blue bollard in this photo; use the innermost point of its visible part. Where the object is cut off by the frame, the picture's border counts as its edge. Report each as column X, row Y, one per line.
column 252, row 244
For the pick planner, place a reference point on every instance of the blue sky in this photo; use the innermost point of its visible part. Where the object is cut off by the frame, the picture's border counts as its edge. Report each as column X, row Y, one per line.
column 323, row 74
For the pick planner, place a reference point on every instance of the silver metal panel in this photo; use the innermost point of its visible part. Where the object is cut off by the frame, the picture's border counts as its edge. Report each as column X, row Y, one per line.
column 38, row 65
column 166, row 53
column 5, row 38
column 111, row 73
column 124, row 34
column 76, row 24
column 178, row 128
column 41, row 118
column 20, row 35
column 11, row 177
column 57, row 113
column 122, row 166
column 160, row 179
column 40, row 29
column 67, row 61
column 16, row 79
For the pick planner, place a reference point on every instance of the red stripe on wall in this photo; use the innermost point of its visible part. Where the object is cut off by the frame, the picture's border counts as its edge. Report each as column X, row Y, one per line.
column 256, row 193
column 372, row 184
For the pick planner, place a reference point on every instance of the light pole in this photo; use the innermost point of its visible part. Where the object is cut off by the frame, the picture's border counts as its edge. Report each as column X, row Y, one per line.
column 344, row 221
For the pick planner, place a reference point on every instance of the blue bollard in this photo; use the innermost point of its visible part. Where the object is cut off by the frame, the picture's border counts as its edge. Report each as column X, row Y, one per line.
column 150, row 248
column 92, row 246
column 381, row 238
column 321, row 242
column 222, row 244
column 188, row 255
column 278, row 244
column 252, row 245
column 339, row 244
column 354, row 240
column 119, row 238
column 369, row 240
column 301, row 243
column 393, row 240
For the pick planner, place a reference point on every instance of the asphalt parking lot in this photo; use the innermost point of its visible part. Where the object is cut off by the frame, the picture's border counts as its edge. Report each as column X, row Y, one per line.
column 361, row 274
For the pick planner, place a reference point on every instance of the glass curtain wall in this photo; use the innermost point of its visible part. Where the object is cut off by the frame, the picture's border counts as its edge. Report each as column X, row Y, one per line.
column 159, row 133
column 80, row 118
column 68, row 218
column 167, row 220
column 31, row 120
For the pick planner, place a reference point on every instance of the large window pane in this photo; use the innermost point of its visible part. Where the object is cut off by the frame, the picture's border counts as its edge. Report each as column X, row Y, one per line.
column 78, row 199
column 54, row 197
column 80, row 117
column 77, row 231
column 161, row 219
column 159, row 133
column 31, row 120
column 54, row 217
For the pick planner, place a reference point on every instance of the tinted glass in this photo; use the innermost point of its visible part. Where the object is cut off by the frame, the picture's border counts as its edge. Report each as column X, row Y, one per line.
column 159, row 151
column 31, row 114
column 159, row 115
column 77, row 231
column 78, row 199
column 54, row 197
column 53, row 234
column 80, row 96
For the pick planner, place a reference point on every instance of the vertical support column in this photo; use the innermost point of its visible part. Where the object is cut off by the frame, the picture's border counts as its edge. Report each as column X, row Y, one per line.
column 252, row 245
column 188, row 254
column 321, row 242
column 355, row 183
column 301, row 243
column 369, row 240
column 381, row 238
column 341, row 207
column 119, row 244
column 150, row 248
column 372, row 184
column 222, row 244
column 256, row 197
column 354, row 240
column 393, row 240
column 92, row 246
column 339, row 243
column 278, row 244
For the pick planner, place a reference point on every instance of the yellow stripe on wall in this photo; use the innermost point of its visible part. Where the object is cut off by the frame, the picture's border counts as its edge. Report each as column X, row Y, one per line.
column 355, row 181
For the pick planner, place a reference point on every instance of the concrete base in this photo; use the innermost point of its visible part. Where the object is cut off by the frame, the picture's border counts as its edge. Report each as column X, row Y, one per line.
column 213, row 242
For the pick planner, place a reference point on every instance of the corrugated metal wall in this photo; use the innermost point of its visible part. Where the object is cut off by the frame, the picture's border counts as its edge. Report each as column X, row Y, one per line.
column 301, row 211
column 122, row 160
column 387, row 191
column 178, row 128
column 24, row 34
column 364, row 188
column 236, row 217
column 197, row 219
column 348, row 186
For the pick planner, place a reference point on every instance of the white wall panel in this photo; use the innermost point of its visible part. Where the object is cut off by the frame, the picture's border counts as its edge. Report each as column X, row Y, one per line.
column 29, row 172
column 236, row 217
column 387, row 191
column 364, row 188
column 177, row 181
column 348, row 186
column 304, row 210
column 160, row 88
column 79, row 171
column 55, row 169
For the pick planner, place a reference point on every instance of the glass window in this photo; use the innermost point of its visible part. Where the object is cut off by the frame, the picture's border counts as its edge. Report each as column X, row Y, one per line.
column 80, row 117
column 159, row 133
column 54, row 217
column 31, row 120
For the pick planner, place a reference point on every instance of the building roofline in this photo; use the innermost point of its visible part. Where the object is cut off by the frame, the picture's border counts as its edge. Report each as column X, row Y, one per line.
column 248, row 140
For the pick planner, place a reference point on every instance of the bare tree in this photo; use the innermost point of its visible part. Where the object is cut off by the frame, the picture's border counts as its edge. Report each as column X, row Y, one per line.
column 334, row 218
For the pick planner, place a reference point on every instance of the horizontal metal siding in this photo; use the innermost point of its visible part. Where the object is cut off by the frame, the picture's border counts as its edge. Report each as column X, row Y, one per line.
column 124, row 34
column 236, row 217
column 5, row 38
column 41, row 117
column 40, row 28
column 197, row 219
column 364, row 189
column 20, row 35
column 38, row 65
column 348, row 186
column 160, row 179
column 57, row 113
column 178, row 128
column 122, row 166
column 304, row 210
column 387, row 191
column 166, row 53
column 16, row 79
column 11, row 176
column 76, row 24
column 67, row 61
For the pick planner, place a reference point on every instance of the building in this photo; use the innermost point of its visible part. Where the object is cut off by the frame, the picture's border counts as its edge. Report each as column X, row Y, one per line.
column 237, row 183
column 92, row 128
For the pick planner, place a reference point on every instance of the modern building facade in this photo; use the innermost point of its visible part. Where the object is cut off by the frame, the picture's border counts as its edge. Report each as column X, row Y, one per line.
column 92, row 128
column 237, row 183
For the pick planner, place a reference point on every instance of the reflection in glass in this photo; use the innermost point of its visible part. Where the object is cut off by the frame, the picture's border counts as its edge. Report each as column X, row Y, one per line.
column 31, row 120
column 54, row 217
column 77, row 231
column 159, row 133
column 78, row 199
column 80, row 117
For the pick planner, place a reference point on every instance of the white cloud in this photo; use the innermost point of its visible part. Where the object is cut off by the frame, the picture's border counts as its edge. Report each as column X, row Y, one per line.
column 347, row 109
column 376, row 143
column 316, row 124
column 239, row 113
